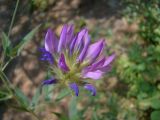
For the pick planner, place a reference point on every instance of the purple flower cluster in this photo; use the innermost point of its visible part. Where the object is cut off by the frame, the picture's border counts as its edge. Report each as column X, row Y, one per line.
column 74, row 60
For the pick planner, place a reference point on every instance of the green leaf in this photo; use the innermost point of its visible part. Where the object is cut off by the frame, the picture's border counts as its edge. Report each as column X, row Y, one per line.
column 6, row 44
column 48, row 92
column 65, row 92
column 35, row 98
column 73, row 114
column 95, row 117
column 60, row 116
column 155, row 103
column 24, row 41
column 5, row 96
column 22, row 99
column 155, row 115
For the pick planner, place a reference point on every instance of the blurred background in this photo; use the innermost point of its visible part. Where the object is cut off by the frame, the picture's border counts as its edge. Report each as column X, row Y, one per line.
column 131, row 91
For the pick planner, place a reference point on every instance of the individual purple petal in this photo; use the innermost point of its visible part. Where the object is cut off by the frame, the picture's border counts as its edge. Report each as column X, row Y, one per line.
column 95, row 65
column 86, row 40
column 71, row 47
column 79, row 41
column 95, row 50
column 46, row 56
column 93, row 75
column 106, row 66
column 80, row 36
column 51, row 41
column 70, row 34
column 90, row 88
column 62, row 40
column 98, row 63
column 75, row 88
column 49, row 81
column 62, row 63
column 109, row 59
column 105, row 69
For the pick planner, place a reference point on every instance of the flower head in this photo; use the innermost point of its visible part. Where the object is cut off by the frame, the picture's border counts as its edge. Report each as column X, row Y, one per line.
column 74, row 60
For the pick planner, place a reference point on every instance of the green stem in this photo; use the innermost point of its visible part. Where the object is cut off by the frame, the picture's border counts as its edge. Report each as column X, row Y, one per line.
column 5, row 81
column 6, row 98
column 10, row 27
column 3, row 68
column 13, row 17
column 5, row 78
column 2, row 60
column 24, row 109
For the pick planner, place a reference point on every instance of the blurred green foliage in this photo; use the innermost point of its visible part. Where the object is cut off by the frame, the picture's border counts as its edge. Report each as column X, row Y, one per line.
column 140, row 66
column 41, row 4
column 8, row 92
column 147, row 12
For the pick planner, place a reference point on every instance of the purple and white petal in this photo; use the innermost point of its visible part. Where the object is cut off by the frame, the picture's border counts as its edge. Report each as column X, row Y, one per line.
column 106, row 67
column 51, row 41
column 62, row 40
column 86, row 40
column 75, row 88
column 109, row 60
column 62, row 63
column 99, row 63
column 95, row 75
column 70, row 35
column 79, row 42
column 94, row 51
column 90, row 88
column 71, row 47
